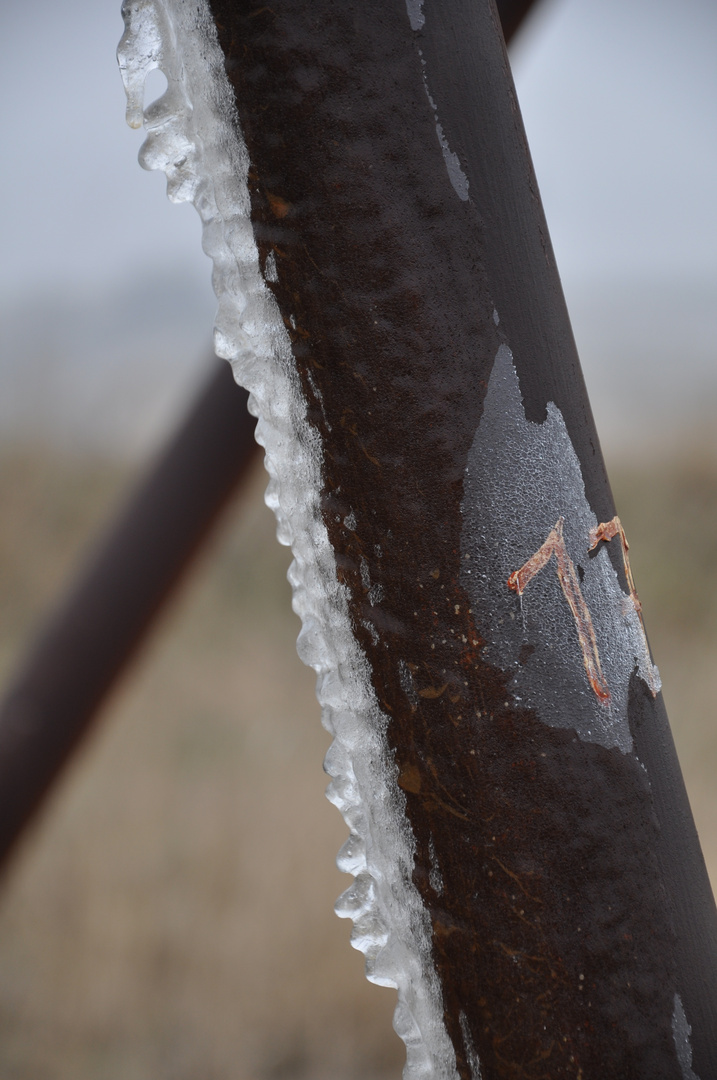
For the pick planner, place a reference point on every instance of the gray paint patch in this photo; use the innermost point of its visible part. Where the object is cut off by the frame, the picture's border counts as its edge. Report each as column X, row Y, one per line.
column 681, row 1032
column 415, row 14
column 571, row 639
column 457, row 177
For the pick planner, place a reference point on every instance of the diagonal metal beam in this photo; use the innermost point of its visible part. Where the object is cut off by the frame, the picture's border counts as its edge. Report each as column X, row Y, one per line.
column 501, row 754
column 102, row 621
column 512, row 14
column 84, row 647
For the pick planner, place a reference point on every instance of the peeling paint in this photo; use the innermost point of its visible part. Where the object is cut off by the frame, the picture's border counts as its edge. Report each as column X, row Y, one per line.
column 457, row 177
column 682, row 1033
column 570, row 641
column 415, row 14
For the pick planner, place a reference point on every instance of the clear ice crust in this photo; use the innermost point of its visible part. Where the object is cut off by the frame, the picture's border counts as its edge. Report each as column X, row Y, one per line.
column 193, row 137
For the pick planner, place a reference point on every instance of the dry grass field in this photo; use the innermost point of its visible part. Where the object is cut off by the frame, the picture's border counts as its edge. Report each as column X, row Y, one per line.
column 170, row 916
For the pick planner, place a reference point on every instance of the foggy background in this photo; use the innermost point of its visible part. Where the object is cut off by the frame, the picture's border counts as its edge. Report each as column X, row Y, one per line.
column 105, row 300
column 170, row 915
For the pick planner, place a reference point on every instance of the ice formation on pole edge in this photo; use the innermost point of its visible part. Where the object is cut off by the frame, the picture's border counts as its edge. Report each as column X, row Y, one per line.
column 193, row 137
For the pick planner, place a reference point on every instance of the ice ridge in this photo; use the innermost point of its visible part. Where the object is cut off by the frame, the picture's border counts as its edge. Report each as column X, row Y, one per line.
column 193, row 137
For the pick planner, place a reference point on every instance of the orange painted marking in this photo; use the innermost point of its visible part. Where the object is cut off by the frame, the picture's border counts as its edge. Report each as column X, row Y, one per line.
column 606, row 530
column 555, row 546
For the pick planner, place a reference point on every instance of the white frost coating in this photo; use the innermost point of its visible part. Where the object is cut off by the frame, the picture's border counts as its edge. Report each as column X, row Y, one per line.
column 521, row 478
column 681, row 1033
column 435, row 878
column 192, row 136
column 473, row 1062
column 270, row 271
column 408, row 686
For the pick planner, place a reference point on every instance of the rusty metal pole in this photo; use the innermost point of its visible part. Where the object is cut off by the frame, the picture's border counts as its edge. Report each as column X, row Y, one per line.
column 100, row 624
column 106, row 613
column 573, row 929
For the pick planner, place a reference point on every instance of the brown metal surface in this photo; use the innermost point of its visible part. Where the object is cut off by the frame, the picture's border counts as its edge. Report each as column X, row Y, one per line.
column 574, row 901
column 143, row 555
column 563, row 930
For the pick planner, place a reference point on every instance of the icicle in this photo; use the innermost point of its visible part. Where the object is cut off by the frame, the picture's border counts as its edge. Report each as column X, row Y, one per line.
column 193, row 136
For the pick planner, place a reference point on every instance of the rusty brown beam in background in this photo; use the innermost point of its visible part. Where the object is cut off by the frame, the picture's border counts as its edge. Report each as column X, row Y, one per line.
column 105, row 615
column 101, row 623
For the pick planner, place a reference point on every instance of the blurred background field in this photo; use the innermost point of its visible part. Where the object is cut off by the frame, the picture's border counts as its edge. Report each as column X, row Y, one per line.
column 170, row 914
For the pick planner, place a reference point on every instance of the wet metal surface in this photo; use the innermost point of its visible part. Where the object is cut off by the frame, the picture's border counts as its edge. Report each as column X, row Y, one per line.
column 567, row 898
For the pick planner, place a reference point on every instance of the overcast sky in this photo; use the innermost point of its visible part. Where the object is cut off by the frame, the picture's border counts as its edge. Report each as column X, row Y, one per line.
column 619, row 98
column 75, row 205
column 620, row 103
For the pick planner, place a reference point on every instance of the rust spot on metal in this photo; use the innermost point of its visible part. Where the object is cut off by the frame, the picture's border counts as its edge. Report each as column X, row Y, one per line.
column 371, row 458
column 554, row 545
column 516, row 879
column 279, row 207
column 410, row 779
column 433, row 691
